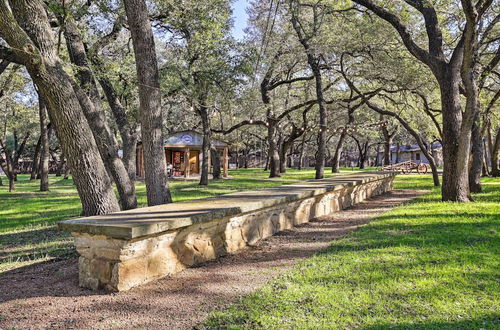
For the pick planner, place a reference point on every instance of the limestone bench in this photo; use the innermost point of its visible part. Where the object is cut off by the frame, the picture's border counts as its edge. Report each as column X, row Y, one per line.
column 121, row 250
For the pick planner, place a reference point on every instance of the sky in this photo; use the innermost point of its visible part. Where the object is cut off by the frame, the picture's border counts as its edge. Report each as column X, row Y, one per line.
column 240, row 18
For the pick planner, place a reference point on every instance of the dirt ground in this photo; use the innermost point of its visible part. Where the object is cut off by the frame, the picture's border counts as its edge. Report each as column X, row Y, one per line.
column 47, row 295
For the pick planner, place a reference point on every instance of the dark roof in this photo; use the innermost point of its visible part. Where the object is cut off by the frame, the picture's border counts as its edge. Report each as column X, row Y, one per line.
column 412, row 147
column 190, row 137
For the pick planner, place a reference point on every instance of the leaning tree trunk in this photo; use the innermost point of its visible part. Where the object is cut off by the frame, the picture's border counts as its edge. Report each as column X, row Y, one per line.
column 128, row 131
column 90, row 102
column 150, row 102
column 44, row 154
column 338, row 151
column 55, row 85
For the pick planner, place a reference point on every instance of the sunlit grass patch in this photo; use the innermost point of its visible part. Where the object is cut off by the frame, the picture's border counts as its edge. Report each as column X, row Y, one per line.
column 427, row 265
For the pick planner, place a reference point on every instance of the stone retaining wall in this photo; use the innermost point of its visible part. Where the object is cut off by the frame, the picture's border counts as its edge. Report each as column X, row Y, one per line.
column 126, row 249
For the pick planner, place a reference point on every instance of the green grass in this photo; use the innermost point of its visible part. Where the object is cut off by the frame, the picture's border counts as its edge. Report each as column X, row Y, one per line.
column 29, row 207
column 27, row 216
column 425, row 265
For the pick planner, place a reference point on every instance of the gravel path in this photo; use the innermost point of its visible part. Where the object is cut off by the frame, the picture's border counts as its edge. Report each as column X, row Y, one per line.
column 48, row 296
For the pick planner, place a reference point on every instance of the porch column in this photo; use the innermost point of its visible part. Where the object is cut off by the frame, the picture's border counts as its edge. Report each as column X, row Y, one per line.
column 186, row 162
column 226, row 162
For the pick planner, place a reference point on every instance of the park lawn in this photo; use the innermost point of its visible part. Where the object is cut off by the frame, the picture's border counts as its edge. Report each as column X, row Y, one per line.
column 27, row 216
column 426, row 265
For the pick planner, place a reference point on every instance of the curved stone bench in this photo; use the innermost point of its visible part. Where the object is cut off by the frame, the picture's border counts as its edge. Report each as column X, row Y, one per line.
column 121, row 250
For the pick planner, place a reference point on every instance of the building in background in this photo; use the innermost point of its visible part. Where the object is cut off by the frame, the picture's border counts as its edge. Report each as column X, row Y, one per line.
column 183, row 150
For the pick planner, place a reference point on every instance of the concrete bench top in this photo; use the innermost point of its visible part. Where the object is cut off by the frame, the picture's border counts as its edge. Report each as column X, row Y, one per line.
column 156, row 219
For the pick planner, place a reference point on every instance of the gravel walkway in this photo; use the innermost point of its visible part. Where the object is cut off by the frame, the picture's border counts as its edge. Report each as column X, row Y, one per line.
column 47, row 295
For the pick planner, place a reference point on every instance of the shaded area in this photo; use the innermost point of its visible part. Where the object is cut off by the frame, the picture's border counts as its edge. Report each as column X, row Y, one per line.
column 48, row 294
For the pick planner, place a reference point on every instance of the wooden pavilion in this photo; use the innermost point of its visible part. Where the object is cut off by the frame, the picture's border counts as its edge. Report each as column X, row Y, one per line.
column 183, row 150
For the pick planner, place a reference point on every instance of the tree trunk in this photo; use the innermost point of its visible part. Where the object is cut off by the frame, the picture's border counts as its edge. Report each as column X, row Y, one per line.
column 387, row 148
column 476, row 167
column 301, row 154
column 273, row 154
column 216, row 173
column 338, row 151
column 455, row 147
column 283, row 150
column 36, row 160
column 46, row 70
column 12, row 180
column 44, row 155
column 495, row 151
column 130, row 154
column 150, row 102
column 90, row 102
column 60, row 165
column 485, row 170
column 128, row 131
column 320, row 155
column 207, row 143
column 313, row 60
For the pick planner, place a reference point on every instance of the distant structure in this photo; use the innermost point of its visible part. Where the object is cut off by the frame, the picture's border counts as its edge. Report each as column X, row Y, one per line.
column 412, row 152
column 183, row 150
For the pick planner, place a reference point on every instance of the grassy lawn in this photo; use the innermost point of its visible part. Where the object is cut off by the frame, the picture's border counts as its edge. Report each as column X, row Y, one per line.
column 27, row 216
column 425, row 265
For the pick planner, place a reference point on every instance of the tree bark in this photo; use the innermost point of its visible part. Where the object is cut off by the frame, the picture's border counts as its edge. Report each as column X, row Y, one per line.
column 495, row 151
column 462, row 64
column 60, row 164
column 387, row 143
column 150, row 102
column 476, row 167
column 44, row 155
column 128, row 131
column 273, row 154
column 90, row 102
column 35, row 165
column 301, row 154
column 45, row 68
column 313, row 61
column 207, row 142
column 455, row 148
column 216, row 163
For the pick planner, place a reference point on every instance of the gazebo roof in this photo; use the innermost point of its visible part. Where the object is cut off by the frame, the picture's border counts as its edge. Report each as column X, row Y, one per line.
column 190, row 138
